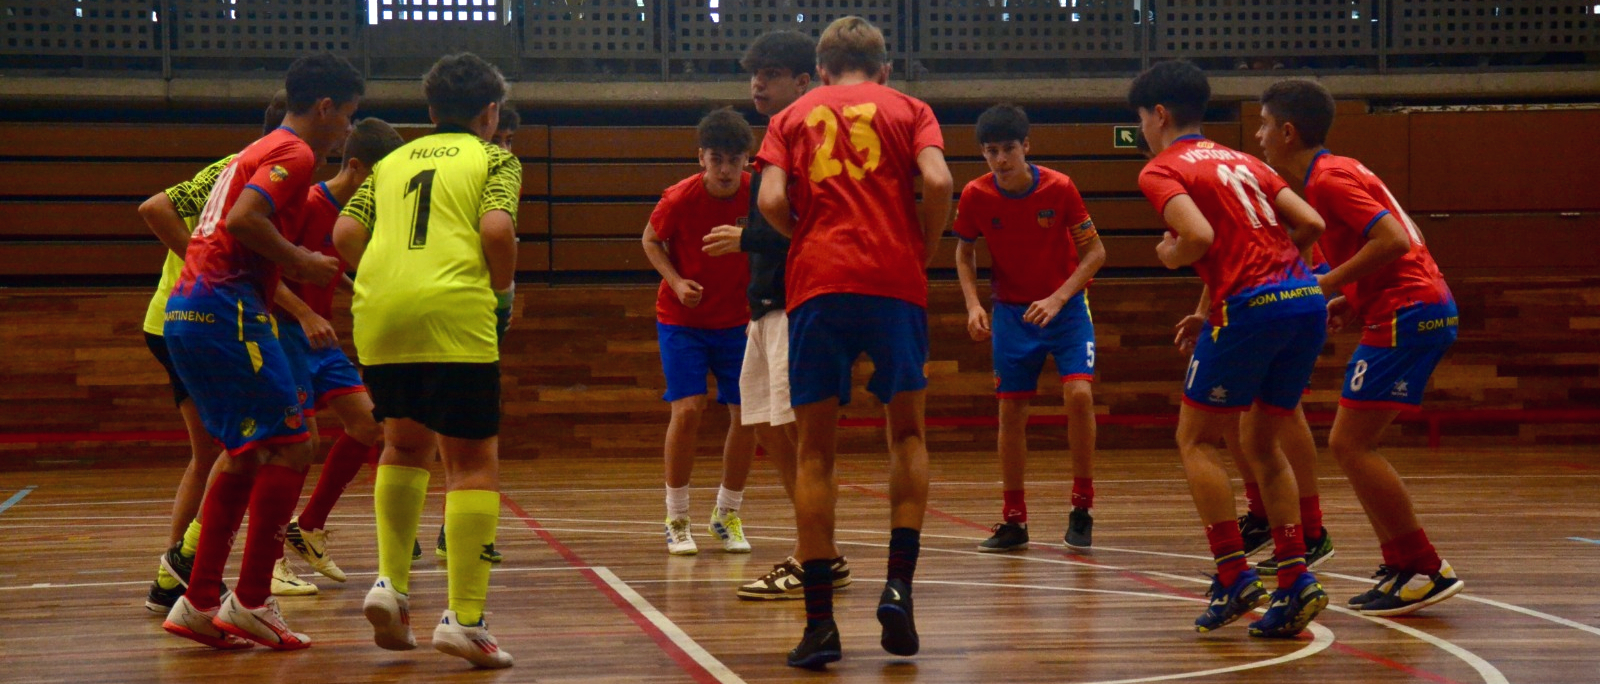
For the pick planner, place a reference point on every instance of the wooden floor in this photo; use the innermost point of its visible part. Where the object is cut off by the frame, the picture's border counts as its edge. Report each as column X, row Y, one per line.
column 587, row 592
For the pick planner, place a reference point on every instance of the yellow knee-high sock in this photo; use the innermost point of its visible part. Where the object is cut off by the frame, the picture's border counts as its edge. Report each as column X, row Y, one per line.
column 397, row 501
column 191, row 539
column 470, row 519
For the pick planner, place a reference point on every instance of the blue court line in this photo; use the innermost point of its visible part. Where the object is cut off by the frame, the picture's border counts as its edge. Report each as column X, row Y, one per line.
column 1591, row 541
column 8, row 503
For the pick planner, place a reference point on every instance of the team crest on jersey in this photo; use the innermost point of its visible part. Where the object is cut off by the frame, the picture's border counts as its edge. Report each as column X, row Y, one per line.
column 278, row 173
column 1047, row 217
column 1218, row 395
column 291, row 417
column 247, row 427
column 743, row 222
column 1205, row 144
column 1401, row 389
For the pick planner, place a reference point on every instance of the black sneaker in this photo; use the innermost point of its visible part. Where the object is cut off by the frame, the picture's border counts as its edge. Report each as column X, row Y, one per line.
column 894, row 613
column 438, row 549
column 1385, row 576
column 1316, row 553
column 416, row 550
column 488, row 554
column 1409, row 592
column 1256, row 532
column 1008, row 536
column 1080, row 529
column 178, row 565
column 160, row 600
column 817, row 648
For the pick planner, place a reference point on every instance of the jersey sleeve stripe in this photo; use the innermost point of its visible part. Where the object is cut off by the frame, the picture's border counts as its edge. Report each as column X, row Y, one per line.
column 264, row 194
column 1374, row 222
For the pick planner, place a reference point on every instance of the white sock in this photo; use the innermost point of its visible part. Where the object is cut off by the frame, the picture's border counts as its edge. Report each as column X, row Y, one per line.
column 678, row 502
column 729, row 500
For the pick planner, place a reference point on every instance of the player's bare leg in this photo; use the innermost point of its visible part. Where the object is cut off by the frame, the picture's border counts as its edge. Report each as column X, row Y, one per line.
column 682, row 432
column 1081, row 431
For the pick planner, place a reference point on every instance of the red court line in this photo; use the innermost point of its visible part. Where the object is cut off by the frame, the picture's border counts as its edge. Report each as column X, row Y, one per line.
column 1419, row 674
column 684, row 660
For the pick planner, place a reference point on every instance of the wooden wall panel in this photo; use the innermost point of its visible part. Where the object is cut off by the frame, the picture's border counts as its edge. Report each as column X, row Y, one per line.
column 187, row 141
column 594, row 219
column 76, row 219
column 1093, row 177
column 1501, row 245
column 1069, row 140
column 533, row 220
column 1504, row 161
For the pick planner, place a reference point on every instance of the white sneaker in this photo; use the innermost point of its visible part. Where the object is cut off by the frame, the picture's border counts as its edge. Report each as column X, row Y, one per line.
column 194, row 624
column 679, row 541
column 473, row 643
column 389, row 611
column 286, row 583
column 728, row 527
column 312, row 545
column 262, row 625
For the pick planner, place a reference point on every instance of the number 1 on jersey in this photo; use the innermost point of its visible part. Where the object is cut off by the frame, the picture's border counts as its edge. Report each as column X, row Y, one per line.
column 422, row 184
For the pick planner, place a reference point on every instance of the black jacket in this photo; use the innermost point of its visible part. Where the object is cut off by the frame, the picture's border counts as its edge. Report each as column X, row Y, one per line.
column 769, row 254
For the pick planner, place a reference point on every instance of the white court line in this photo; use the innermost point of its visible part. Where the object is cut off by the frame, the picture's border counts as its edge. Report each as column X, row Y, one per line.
column 86, row 585
column 1489, row 673
column 712, row 666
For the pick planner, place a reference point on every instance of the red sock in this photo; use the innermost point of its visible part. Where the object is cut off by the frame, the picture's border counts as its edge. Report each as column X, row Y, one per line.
column 272, row 502
column 344, row 461
column 1016, row 508
column 220, row 516
column 1083, row 492
column 1252, row 498
column 1413, row 553
column 1289, row 548
column 1227, row 547
column 1311, row 517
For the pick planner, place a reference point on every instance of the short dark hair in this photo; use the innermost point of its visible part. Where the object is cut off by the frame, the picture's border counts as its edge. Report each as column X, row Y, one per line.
column 1178, row 85
column 509, row 118
column 726, row 131
column 1001, row 123
column 790, row 50
column 1306, row 104
column 323, row 75
column 371, row 140
column 852, row 44
column 459, row 86
column 1142, row 143
column 277, row 108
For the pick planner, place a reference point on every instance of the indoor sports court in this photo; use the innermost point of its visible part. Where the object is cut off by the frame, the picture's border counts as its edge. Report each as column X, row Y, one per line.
column 1423, row 186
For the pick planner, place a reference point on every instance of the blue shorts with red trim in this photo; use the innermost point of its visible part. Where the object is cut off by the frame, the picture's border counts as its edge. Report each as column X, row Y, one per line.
column 236, row 371
column 1020, row 347
column 1270, row 363
column 297, row 349
column 1393, row 378
column 688, row 354
column 828, row 332
column 330, row 373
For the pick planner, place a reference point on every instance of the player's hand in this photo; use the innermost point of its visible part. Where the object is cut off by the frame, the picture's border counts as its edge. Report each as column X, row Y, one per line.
column 1040, row 313
column 319, row 331
column 689, row 292
column 978, row 324
column 314, row 268
column 723, row 240
column 503, row 307
column 1167, row 250
column 1338, row 314
column 1188, row 333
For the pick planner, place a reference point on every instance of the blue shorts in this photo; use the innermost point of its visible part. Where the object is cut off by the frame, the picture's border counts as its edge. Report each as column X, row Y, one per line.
column 1237, row 365
column 1393, row 378
column 297, row 349
column 1020, row 347
column 236, row 371
column 688, row 354
column 828, row 332
column 330, row 372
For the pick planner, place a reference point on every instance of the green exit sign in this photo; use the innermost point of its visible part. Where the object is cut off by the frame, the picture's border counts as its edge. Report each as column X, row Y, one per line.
column 1125, row 137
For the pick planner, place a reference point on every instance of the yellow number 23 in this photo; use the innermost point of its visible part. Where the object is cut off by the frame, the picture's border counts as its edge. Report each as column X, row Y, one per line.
column 862, row 138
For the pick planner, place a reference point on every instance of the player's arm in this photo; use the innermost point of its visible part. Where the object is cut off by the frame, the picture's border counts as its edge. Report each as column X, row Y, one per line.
column 760, row 238
column 1386, row 241
column 354, row 228
column 936, row 188
column 655, row 249
column 773, row 200
column 317, row 328
column 162, row 218
column 250, row 222
column 1194, row 233
column 967, row 270
column 1304, row 224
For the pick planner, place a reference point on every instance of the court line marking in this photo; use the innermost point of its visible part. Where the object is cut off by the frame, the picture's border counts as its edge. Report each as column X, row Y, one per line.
column 1581, row 539
column 1489, row 673
column 8, row 503
column 715, row 667
column 86, row 585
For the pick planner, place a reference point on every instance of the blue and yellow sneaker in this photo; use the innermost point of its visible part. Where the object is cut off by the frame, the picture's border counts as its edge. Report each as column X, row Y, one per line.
column 1409, row 592
column 1291, row 609
column 1231, row 602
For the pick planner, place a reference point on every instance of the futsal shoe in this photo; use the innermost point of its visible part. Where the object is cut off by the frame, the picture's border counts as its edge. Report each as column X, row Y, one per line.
column 1007, row 536
column 818, row 647
column 1385, row 576
column 286, row 583
column 178, row 565
column 1291, row 609
column 263, row 625
column 1080, row 530
column 489, row 553
column 785, row 581
column 416, row 550
column 312, row 545
column 1317, row 553
column 389, row 611
column 199, row 625
column 679, row 541
column 1229, row 603
column 159, row 600
column 1410, row 592
column 894, row 613
column 728, row 527
column 1256, row 532
column 473, row 643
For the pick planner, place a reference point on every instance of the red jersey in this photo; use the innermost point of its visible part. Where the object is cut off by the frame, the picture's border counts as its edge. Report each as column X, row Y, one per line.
column 279, row 166
column 685, row 215
column 1352, row 200
column 1033, row 237
column 315, row 233
column 1235, row 192
column 851, row 156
